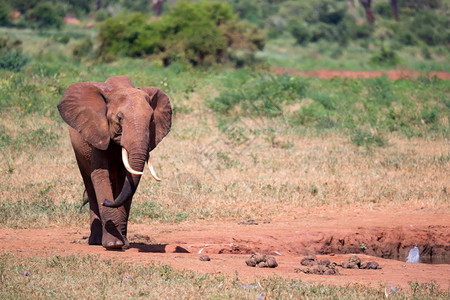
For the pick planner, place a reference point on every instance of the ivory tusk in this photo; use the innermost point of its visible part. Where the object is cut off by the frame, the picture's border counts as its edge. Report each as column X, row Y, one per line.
column 152, row 171
column 127, row 164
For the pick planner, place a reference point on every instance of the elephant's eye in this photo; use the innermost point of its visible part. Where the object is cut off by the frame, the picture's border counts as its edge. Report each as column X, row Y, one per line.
column 119, row 117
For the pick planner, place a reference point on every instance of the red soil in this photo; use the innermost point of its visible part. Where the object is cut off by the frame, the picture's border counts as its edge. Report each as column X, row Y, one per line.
column 288, row 240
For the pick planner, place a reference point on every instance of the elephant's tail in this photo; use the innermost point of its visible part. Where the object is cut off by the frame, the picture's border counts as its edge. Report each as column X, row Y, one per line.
column 85, row 200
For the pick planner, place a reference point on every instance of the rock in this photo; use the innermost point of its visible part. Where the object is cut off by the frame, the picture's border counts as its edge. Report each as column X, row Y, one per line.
column 205, row 258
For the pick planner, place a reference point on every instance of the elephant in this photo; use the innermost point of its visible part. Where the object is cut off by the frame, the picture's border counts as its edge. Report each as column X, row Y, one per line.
column 113, row 127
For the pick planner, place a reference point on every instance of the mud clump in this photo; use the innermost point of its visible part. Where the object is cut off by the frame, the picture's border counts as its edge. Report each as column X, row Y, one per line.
column 354, row 262
column 205, row 258
column 314, row 266
column 142, row 239
column 261, row 261
column 248, row 222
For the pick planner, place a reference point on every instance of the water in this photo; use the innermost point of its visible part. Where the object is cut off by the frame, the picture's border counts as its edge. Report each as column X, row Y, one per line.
column 426, row 259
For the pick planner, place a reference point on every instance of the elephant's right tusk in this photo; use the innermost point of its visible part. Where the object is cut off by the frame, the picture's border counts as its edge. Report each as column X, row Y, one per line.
column 127, row 164
column 152, row 171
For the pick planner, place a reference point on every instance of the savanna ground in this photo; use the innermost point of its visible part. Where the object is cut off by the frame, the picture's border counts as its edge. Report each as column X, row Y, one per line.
column 325, row 166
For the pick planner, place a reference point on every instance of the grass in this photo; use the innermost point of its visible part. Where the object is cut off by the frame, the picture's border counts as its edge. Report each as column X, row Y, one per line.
column 73, row 277
column 289, row 142
column 355, row 56
column 242, row 139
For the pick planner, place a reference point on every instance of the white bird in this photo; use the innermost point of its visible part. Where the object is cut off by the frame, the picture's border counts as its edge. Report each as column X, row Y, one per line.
column 413, row 256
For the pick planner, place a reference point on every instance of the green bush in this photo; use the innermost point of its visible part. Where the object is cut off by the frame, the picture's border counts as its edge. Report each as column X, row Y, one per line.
column 261, row 96
column 5, row 9
column 83, row 49
column 45, row 15
column 383, row 9
column 11, row 56
column 368, row 139
column 101, row 15
column 299, row 31
column 13, row 60
column 200, row 33
column 385, row 56
column 322, row 20
column 63, row 39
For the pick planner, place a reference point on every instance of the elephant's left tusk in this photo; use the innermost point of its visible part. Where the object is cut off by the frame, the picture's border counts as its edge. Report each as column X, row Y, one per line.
column 152, row 171
column 127, row 164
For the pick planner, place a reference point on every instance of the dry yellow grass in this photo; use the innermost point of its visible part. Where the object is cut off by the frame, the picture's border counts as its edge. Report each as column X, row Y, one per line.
column 207, row 176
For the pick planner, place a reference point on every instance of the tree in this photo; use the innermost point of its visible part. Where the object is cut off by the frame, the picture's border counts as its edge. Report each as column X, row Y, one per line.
column 394, row 7
column 157, row 6
column 369, row 13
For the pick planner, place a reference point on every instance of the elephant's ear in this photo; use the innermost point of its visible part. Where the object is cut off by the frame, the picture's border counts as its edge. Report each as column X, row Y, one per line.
column 83, row 107
column 162, row 116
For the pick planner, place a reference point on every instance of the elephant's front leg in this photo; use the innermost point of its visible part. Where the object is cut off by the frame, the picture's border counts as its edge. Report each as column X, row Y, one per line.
column 111, row 218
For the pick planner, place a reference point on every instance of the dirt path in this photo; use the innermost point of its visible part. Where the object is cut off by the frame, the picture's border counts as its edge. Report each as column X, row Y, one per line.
column 229, row 244
column 391, row 74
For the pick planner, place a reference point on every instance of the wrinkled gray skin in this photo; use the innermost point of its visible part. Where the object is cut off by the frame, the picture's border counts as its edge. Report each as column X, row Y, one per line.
column 103, row 118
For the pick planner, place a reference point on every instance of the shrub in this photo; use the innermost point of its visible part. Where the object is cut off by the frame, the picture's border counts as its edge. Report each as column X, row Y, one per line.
column 83, row 49
column 45, row 15
column 368, row 138
column 11, row 56
column 299, row 31
column 63, row 39
column 13, row 60
column 385, row 57
column 261, row 96
column 200, row 33
column 101, row 15
column 383, row 9
column 5, row 9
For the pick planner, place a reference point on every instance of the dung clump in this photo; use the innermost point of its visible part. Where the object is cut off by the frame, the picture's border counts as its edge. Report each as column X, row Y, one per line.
column 324, row 267
column 261, row 261
column 309, row 261
column 354, row 262
column 205, row 258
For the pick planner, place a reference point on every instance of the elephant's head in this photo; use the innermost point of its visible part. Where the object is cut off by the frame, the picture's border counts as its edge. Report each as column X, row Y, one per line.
column 115, row 111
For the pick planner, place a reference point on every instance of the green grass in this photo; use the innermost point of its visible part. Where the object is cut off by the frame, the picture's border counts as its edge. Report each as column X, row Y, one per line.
column 89, row 277
column 416, row 107
column 355, row 56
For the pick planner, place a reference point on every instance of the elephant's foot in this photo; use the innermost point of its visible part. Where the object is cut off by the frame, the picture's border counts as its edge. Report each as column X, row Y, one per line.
column 112, row 239
column 95, row 238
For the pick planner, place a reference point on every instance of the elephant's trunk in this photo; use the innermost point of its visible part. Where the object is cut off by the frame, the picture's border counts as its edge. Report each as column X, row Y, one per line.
column 136, row 163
